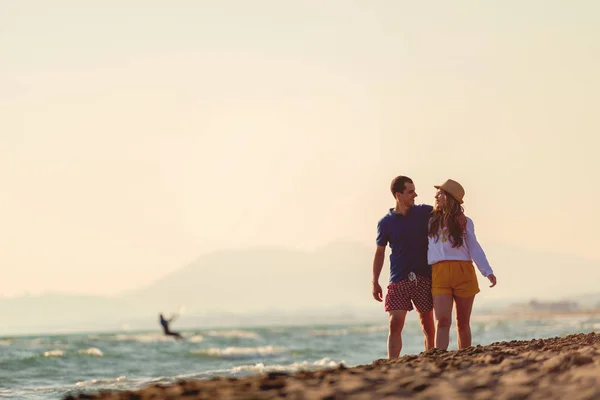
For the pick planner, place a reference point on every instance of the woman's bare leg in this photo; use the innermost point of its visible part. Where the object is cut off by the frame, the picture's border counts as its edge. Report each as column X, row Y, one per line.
column 442, row 307
column 464, row 305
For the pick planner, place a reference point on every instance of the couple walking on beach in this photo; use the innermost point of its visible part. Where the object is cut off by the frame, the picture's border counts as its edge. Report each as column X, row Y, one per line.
column 431, row 264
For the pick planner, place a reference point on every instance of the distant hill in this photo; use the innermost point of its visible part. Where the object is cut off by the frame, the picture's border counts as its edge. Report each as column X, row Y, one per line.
column 340, row 274
column 543, row 275
column 274, row 284
column 263, row 278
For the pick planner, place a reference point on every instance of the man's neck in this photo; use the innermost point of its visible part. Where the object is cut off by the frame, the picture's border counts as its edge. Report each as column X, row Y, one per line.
column 401, row 208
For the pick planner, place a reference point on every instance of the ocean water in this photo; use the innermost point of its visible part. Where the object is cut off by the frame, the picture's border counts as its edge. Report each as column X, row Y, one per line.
column 50, row 367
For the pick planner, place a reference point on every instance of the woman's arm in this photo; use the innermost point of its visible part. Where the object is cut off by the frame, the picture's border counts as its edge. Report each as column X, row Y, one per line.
column 476, row 251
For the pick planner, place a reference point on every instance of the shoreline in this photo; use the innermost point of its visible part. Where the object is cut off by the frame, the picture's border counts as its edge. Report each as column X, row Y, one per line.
column 354, row 320
column 554, row 368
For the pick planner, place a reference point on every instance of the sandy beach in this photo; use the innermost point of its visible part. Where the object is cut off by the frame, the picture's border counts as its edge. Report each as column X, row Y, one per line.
column 556, row 368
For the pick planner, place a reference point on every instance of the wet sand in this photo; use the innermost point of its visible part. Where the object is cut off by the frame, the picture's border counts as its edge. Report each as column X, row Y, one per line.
column 557, row 368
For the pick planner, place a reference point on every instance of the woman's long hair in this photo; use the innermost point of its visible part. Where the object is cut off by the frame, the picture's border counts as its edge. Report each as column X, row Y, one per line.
column 453, row 218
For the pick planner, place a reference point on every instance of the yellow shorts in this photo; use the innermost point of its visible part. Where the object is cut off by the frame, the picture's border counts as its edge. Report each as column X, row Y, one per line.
column 457, row 278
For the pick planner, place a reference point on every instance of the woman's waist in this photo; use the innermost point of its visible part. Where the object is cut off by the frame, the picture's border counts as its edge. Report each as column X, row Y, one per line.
column 452, row 262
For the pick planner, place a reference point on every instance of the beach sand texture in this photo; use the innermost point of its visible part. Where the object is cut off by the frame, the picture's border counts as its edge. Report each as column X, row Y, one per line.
column 557, row 368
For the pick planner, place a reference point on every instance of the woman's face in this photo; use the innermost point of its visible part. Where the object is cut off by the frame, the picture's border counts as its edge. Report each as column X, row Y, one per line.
column 440, row 199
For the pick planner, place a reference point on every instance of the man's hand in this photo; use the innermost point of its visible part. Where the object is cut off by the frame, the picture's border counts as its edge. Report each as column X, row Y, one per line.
column 492, row 279
column 377, row 292
column 377, row 266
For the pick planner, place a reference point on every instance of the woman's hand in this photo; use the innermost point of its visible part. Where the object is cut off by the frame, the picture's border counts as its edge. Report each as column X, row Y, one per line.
column 492, row 279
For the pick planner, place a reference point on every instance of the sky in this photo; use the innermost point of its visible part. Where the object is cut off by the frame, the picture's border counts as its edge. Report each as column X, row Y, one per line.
column 136, row 136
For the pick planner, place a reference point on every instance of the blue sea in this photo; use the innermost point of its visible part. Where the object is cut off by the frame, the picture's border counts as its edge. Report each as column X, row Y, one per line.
column 52, row 366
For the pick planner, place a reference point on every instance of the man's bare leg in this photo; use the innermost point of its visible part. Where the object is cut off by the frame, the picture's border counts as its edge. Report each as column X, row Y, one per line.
column 397, row 318
column 428, row 328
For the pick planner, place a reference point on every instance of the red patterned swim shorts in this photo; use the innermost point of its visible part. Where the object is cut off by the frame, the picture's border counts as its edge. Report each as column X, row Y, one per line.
column 415, row 289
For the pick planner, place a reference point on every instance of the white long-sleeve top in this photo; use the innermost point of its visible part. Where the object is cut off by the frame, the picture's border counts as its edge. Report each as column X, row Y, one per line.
column 442, row 250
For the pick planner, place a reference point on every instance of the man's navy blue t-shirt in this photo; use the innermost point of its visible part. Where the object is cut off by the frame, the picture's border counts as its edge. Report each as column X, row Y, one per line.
column 407, row 237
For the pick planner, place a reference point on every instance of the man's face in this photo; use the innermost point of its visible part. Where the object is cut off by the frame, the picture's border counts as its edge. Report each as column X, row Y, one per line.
column 408, row 196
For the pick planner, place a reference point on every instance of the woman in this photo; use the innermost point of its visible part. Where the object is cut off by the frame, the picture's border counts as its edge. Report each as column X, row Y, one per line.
column 452, row 248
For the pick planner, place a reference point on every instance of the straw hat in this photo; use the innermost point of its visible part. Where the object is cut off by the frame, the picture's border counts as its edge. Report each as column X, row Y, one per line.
column 454, row 189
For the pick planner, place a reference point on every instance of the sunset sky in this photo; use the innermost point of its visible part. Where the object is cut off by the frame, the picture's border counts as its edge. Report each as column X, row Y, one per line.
column 137, row 135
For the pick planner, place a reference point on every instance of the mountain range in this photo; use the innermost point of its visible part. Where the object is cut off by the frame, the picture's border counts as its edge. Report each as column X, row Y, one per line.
column 278, row 285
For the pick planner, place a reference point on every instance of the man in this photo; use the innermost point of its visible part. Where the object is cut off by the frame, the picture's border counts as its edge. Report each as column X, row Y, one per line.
column 404, row 228
column 165, row 325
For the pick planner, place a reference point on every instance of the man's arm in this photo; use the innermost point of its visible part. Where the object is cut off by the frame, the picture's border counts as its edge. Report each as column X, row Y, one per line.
column 377, row 267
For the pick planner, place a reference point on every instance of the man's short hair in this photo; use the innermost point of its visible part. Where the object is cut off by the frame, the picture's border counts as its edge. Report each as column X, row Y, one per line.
column 397, row 185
